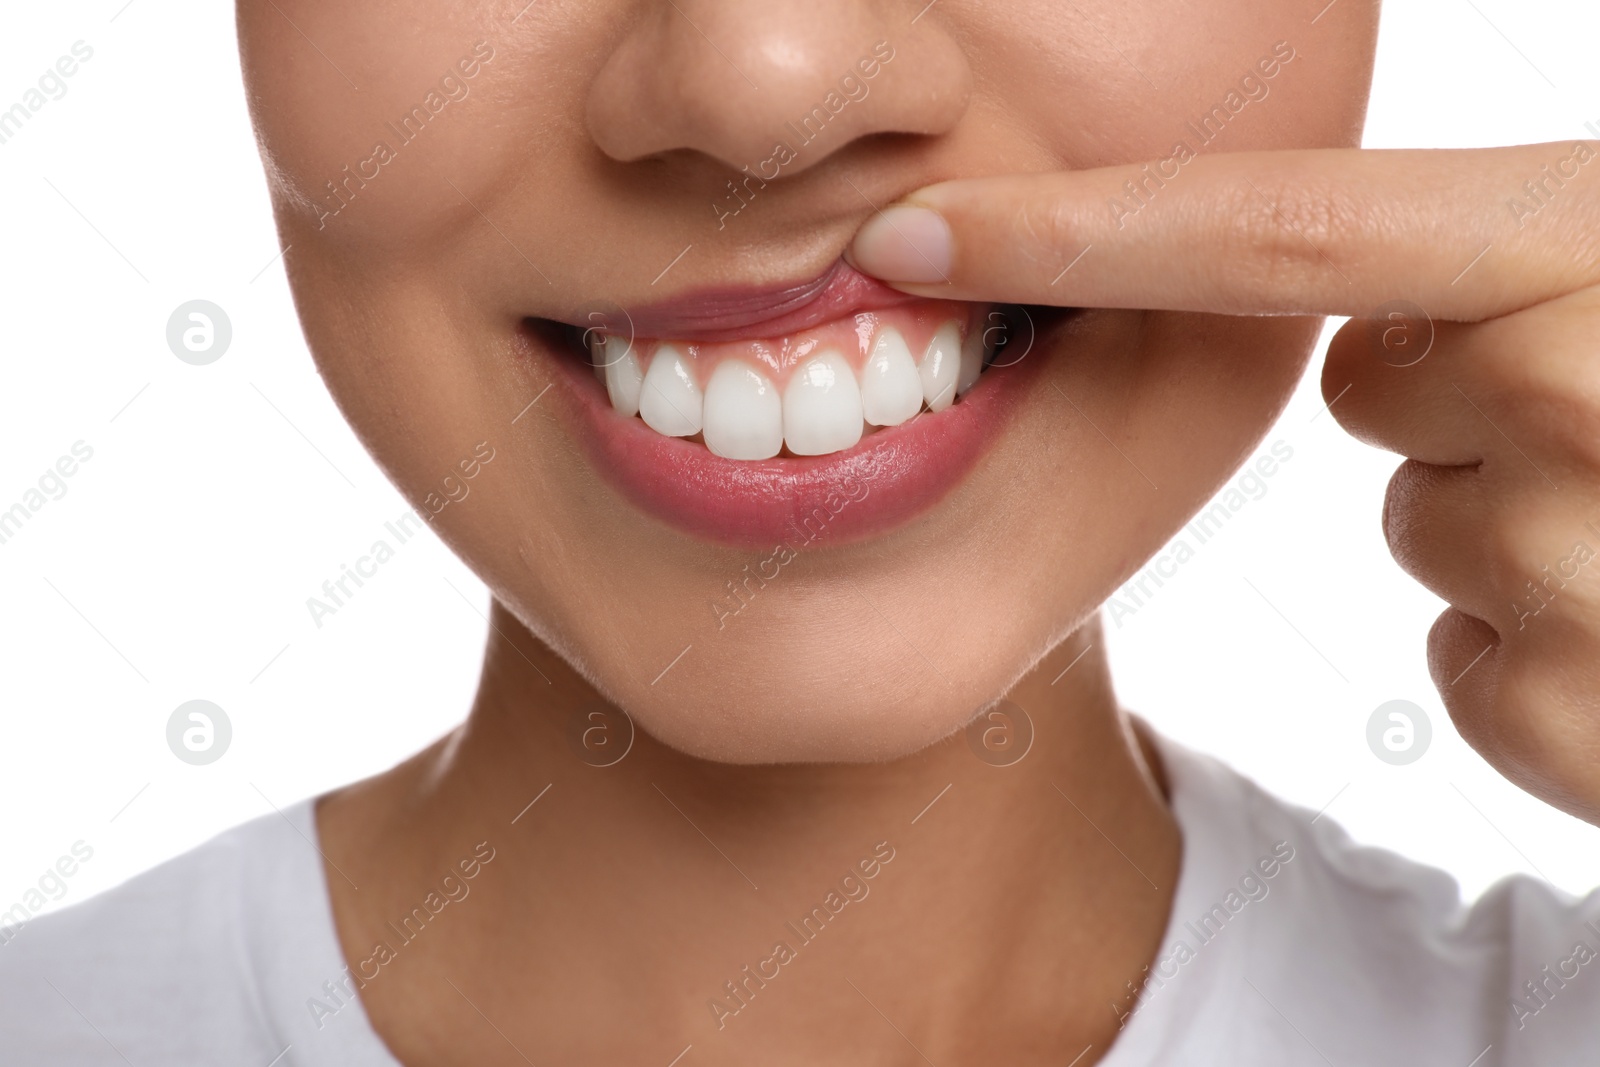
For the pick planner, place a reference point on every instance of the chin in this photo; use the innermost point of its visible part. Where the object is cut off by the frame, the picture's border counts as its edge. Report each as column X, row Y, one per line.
column 848, row 663
column 739, row 719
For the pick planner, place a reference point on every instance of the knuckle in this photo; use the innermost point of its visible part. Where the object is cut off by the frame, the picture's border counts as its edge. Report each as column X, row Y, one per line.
column 1541, row 375
column 1402, row 507
column 1417, row 511
column 1291, row 236
column 1545, row 562
column 1044, row 225
column 1518, row 547
column 1578, row 434
column 1536, row 717
column 1567, row 392
column 1513, row 721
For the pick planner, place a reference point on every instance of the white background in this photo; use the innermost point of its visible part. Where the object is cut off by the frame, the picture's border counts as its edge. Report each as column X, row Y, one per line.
column 219, row 498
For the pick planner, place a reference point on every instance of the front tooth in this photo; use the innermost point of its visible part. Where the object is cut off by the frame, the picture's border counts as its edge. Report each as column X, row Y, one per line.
column 743, row 413
column 822, row 407
column 669, row 399
column 623, row 376
column 972, row 353
column 891, row 391
column 940, row 367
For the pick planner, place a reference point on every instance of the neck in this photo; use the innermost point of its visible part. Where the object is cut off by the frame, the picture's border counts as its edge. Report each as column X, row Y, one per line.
column 748, row 909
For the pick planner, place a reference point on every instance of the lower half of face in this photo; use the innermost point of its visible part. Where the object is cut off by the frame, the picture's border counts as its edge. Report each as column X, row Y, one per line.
column 769, row 508
column 746, row 600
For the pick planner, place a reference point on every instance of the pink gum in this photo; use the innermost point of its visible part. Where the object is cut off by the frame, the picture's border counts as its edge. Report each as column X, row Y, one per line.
column 852, row 336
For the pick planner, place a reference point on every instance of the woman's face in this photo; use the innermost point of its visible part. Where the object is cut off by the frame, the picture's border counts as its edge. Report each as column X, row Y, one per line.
column 681, row 177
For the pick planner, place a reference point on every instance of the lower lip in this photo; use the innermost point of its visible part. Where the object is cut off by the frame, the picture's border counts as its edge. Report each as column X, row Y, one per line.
column 889, row 478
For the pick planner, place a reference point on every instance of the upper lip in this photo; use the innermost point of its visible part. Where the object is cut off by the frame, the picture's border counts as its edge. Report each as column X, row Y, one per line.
column 754, row 312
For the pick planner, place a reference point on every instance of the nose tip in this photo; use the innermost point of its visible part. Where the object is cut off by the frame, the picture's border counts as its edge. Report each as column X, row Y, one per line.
column 779, row 84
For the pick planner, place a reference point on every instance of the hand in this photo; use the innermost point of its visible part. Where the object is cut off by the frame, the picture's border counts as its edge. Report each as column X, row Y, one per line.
column 1497, row 507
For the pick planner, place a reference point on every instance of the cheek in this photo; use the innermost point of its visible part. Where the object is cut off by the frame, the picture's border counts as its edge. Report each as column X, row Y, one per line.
column 362, row 138
column 421, row 380
column 1147, row 416
column 1317, row 99
column 1215, row 380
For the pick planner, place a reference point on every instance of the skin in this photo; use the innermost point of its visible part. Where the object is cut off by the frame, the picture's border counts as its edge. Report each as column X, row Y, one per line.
column 1487, row 383
column 780, row 750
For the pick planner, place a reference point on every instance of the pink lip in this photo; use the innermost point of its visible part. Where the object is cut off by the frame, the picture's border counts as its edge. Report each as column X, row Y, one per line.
column 745, row 313
column 892, row 476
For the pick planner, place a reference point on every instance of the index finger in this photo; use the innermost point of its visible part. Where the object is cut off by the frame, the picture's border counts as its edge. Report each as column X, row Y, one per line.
column 1466, row 234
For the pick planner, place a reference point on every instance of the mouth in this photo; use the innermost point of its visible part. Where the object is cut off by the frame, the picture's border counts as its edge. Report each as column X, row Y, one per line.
column 834, row 408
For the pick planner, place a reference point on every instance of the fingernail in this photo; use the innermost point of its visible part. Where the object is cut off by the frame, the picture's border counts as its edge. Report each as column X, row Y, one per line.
column 904, row 244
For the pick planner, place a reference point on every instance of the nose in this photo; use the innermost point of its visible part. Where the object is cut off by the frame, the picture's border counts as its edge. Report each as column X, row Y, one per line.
column 774, row 84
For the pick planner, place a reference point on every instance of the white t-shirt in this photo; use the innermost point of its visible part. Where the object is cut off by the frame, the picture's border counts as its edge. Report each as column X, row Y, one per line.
column 1288, row 946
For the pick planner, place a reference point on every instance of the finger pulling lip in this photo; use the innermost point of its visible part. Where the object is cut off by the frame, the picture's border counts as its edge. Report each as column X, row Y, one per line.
column 752, row 312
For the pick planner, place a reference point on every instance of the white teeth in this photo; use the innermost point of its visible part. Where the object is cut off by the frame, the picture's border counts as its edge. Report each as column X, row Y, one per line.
column 891, row 391
column 743, row 413
column 669, row 399
column 822, row 407
column 825, row 407
column 939, row 368
column 623, row 376
column 972, row 351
